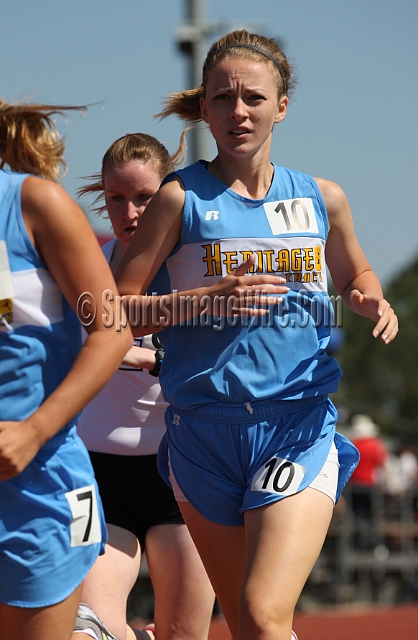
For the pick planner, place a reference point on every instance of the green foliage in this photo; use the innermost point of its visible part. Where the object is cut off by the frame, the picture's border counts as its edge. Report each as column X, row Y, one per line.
column 382, row 380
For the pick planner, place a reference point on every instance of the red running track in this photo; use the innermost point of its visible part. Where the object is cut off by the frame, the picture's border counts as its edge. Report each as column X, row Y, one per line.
column 395, row 623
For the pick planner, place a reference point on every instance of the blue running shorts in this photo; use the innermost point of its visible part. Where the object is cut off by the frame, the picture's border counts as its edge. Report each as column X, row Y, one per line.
column 228, row 459
column 52, row 526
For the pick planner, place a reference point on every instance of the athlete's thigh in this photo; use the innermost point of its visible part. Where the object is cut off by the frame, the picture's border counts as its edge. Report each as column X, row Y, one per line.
column 184, row 597
column 222, row 550
column 49, row 623
column 283, row 541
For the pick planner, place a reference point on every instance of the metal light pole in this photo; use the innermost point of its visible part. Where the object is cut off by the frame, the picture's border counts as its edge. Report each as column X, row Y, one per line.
column 191, row 40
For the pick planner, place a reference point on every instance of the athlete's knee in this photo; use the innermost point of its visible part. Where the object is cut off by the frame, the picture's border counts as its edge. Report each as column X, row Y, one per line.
column 269, row 628
column 262, row 618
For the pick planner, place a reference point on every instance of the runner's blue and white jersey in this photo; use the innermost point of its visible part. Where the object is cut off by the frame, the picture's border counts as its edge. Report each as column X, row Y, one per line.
column 40, row 335
column 281, row 356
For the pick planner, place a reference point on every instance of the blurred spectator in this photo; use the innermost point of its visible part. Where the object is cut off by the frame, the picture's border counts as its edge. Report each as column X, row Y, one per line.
column 409, row 467
column 394, row 482
column 401, row 472
column 370, row 471
column 373, row 452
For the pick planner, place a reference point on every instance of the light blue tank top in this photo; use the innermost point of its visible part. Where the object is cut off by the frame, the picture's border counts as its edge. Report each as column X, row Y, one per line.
column 40, row 335
column 215, row 359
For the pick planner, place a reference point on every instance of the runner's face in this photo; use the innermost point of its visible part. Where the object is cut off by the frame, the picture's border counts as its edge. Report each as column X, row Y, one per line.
column 129, row 187
column 241, row 105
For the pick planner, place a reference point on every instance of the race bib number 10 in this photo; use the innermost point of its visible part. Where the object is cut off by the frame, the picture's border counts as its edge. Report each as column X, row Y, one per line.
column 278, row 476
column 291, row 216
column 85, row 526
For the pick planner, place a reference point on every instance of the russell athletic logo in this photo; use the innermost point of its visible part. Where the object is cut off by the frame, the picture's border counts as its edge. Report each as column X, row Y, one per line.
column 212, row 215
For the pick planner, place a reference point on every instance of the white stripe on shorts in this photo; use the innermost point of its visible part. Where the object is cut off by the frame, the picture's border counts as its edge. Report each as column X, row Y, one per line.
column 327, row 479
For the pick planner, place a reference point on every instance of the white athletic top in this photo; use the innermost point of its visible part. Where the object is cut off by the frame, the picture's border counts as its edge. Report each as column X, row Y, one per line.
column 127, row 416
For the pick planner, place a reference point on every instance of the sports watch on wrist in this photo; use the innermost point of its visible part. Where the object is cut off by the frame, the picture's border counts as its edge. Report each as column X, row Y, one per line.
column 159, row 357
